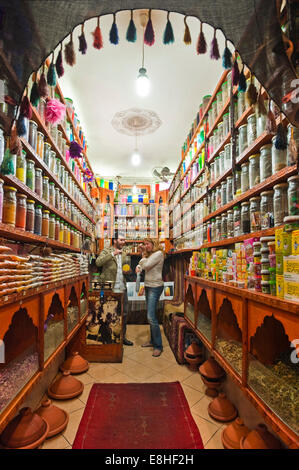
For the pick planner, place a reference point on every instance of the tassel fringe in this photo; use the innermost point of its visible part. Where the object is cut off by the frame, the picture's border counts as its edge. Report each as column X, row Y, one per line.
column 168, row 36
column 59, row 64
column 187, row 35
column 214, row 54
column 242, row 81
column 113, row 35
column 149, row 34
column 69, row 51
column 131, row 35
column 227, row 58
column 201, row 47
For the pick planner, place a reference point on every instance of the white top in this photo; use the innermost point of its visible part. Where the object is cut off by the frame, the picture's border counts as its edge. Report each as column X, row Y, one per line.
column 153, row 266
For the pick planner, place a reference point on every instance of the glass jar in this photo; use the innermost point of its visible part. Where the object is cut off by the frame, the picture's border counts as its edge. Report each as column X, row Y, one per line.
column 242, row 138
column 21, row 167
column 30, row 215
column 218, row 228
column 217, row 168
column 32, row 135
column 52, row 160
column 241, row 103
column 280, row 203
column 59, row 140
column 53, row 133
column 229, row 189
column 223, row 193
column 293, row 195
column 61, row 231
column 57, row 228
column 255, row 214
column 230, row 223
column 223, row 226
column 65, row 233
column 9, row 206
column 21, row 211
column 39, row 182
column 46, row 188
column 57, row 198
column 267, row 218
column 30, row 175
column 245, row 218
column 45, row 223
column 2, row 145
column 38, row 220
column 226, row 126
column 224, row 92
column 213, row 201
column 244, row 177
column 61, row 206
column 254, row 170
column 293, row 134
column 219, row 102
column 212, row 172
column 279, row 157
column 1, row 198
column 265, row 162
column 52, row 193
column 52, row 227
column 218, row 197
column 261, row 120
column 227, row 156
column 237, row 184
column 47, row 151
column 61, row 174
column 237, row 221
column 222, row 163
column 213, row 230
column 57, row 167
column 40, row 144
column 251, row 129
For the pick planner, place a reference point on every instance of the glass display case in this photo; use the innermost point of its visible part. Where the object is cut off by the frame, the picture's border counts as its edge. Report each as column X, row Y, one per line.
column 204, row 317
column 72, row 311
column 53, row 327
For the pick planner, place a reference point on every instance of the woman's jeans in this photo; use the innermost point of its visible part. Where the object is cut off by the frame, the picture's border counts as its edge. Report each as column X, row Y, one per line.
column 152, row 295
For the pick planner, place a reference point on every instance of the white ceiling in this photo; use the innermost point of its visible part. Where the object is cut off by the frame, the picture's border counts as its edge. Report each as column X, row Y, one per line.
column 102, row 83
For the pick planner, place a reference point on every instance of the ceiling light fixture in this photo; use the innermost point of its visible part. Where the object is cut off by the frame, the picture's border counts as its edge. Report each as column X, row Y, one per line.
column 142, row 83
column 136, row 158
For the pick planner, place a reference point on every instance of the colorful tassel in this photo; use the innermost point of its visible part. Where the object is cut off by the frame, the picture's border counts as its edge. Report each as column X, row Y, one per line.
column 82, row 41
column 7, row 166
column 75, row 150
column 281, row 141
column 113, row 35
column 235, row 72
column 15, row 145
column 227, row 57
column 51, row 75
column 187, row 35
column 34, row 95
column 149, row 34
column 25, row 108
column 131, row 35
column 168, row 36
column 201, row 47
column 251, row 93
column 214, row 54
column 21, row 125
column 270, row 122
column 97, row 36
column 242, row 81
column 59, row 63
column 69, row 52
column 55, row 111
column 43, row 86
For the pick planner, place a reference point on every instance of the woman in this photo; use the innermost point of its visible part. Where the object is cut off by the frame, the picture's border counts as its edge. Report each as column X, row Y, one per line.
column 152, row 263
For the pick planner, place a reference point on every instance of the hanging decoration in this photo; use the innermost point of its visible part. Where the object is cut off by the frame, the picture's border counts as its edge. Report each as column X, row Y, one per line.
column 227, row 57
column 82, row 41
column 51, row 75
column 15, row 145
column 235, row 71
column 87, row 176
column 97, row 36
column 55, row 111
column 187, row 35
column 281, row 141
column 25, row 112
column 149, row 34
column 113, row 35
column 34, row 94
column 242, row 81
column 270, row 122
column 214, row 53
column 69, row 52
column 168, row 36
column 75, row 150
column 251, row 93
column 201, row 47
column 59, row 63
column 131, row 35
column 42, row 85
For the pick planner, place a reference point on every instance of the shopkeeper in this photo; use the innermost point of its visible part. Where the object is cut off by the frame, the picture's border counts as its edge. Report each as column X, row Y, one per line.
column 112, row 261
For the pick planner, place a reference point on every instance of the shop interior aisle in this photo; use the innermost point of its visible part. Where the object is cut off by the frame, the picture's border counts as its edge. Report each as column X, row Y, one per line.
column 139, row 366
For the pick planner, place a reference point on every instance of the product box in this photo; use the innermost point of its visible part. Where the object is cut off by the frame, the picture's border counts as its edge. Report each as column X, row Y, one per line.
column 279, row 263
column 291, row 290
column 287, row 243
column 291, row 266
column 279, row 286
column 278, row 240
column 248, row 246
column 295, row 242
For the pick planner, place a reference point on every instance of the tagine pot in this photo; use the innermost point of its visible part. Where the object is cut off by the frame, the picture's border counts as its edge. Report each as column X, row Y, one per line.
column 211, row 374
column 260, row 438
column 232, row 434
column 65, row 387
column 27, row 430
column 221, row 409
column 194, row 356
column 212, row 387
column 75, row 364
column 56, row 418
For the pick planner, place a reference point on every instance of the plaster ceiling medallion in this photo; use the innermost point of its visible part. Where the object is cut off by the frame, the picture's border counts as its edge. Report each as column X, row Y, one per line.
column 136, row 121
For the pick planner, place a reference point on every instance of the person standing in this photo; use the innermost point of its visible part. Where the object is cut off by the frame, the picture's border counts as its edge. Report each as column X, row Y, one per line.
column 112, row 260
column 152, row 263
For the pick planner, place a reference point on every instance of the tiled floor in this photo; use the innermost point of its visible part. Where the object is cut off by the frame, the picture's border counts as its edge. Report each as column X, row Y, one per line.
column 139, row 366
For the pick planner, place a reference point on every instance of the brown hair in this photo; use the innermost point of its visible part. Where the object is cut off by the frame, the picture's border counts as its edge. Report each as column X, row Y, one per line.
column 156, row 246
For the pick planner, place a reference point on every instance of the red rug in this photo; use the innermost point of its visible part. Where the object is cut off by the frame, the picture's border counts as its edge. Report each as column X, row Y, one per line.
column 137, row 416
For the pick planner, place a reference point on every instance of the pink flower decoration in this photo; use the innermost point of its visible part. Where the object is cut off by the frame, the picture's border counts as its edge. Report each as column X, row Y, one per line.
column 55, row 111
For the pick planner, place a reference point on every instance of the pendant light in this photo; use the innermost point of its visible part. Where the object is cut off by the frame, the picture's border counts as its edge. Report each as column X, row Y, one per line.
column 135, row 157
column 142, row 82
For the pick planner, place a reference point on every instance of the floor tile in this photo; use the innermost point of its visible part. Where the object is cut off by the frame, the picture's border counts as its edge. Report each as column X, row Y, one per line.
column 74, row 404
column 56, row 442
column 201, row 408
column 206, row 428
column 215, row 442
column 139, row 372
column 177, row 372
column 102, row 371
column 70, row 432
column 158, row 364
column 192, row 395
column 195, row 382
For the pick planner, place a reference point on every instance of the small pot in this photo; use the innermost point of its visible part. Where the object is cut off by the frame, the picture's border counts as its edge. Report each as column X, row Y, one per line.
column 194, row 356
column 260, row 438
column 65, row 387
column 212, row 387
column 211, row 370
column 75, row 364
column 232, row 434
column 221, row 409
column 56, row 418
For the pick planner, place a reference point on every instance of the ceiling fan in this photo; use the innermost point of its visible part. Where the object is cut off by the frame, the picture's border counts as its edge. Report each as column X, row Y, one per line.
column 163, row 173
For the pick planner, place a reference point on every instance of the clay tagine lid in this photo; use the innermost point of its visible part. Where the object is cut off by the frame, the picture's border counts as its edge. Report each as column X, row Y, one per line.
column 193, row 350
column 56, row 418
column 260, row 438
column 211, row 370
column 27, row 430
column 222, row 409
column 232, row 434
column 75, row 364
column 65, row 387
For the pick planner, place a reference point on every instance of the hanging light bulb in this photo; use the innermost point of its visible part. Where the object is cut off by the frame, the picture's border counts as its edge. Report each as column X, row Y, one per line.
column 135, row 158
column 134, row 189
column 143, row 83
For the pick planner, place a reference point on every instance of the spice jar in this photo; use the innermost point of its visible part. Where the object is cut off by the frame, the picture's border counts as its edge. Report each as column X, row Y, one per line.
column 213, row 201
column 229, row 189
column 227, row 156
column 30, row 175
column 279, row 157
column 65, row 233
column 244, row 177
column 254, row 170
column 242, row 138
column 47, row 151
column 251, row 129
column 61, row 231
column 57, row 167
column 219, row 102
column 57, row 228
column 52, row 227
column 255, row 214
column 237, row 221
column 32, row 135
column 213, row 230
column 52, row 193
column 241, row 103
column 265, row 162
column 9, row 206
column 293, row 195
column 225, row 124
column 52, row 160
column 53, row 133
column 222, row 162
column 46, row 188
column 218, row 228
column 260, row 124
column 245, row 218
column 21, row 211
column 237, row 184
column 292, row 150
column 21, row 167
column 38, row 181
column 218, row 197
column 38, row 220
column 223, row 226
column 57, row 198
column 59, row 140
column 30, row 215
column 223, row 193
column 45, row 223
column 40, row 144
column 267, row 220
column 280, row 203
column 217, row 168
column 1, row 198
column 212, row 172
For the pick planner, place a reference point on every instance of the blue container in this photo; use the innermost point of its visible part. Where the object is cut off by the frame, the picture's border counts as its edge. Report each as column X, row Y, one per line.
column 111, row 185
column 129, row 198
column 140, row 198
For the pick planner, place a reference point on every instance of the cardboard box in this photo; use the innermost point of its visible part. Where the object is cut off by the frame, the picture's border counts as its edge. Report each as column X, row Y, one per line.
column 291, row 290
column 291, row 265
column 278, row 240
column 280, row 286
column 295, row 242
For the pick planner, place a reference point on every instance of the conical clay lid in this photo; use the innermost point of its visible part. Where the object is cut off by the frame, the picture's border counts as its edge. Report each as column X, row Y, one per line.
column 75, row 364
column 65, row 387
column 260, row 438
column 56, row 418
column 193, row 350
column 232, row 434
column 211, row 369
column 27, row 430
column 222, row 409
